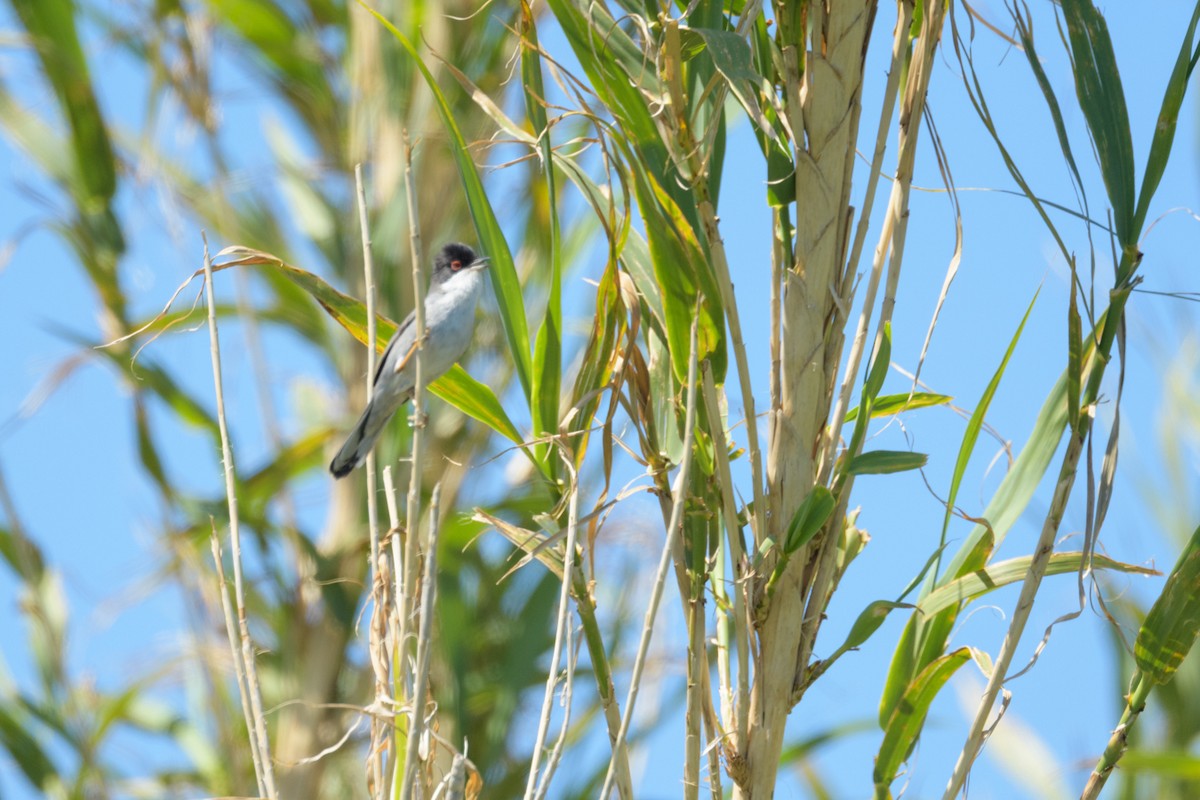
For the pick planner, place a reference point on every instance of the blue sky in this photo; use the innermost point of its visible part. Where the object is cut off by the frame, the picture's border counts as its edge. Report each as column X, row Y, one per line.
column 72, row 467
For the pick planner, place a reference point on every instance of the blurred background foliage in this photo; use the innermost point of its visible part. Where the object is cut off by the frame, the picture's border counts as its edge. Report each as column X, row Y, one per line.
column 334, row 90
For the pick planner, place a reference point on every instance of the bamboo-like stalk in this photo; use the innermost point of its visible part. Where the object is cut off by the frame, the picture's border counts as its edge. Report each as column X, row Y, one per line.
column 585, row 606
column 396, row 648
column 416, row 725
column 900, row 42
column 742, row 622
column 896, row 224
column 679, row 498
column 378, row 660
column 239, row 670
column 1138, row 694
column 822, row 90
column 408, row 604
column 696, row 665
column 564, row 608
column 564, row 727
column 258, row 732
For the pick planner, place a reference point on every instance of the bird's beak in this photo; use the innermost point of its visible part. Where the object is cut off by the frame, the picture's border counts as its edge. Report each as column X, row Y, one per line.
column 483, row 262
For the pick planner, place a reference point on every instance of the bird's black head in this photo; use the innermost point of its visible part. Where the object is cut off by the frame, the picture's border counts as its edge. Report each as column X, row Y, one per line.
column 453, row 259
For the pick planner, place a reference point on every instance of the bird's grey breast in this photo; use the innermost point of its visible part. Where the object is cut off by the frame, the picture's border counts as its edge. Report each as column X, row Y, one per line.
column 450, row 318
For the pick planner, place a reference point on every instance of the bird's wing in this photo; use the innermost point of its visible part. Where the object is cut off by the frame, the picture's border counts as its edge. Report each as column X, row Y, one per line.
column 395, row 347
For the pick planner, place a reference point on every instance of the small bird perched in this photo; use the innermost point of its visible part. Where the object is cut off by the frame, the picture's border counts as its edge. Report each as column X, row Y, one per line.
column 449, row 322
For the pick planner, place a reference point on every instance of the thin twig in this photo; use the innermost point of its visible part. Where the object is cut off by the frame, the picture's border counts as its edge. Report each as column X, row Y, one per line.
column 379, row 660
column 564, row 606
column 424, row 635
column 412, row 514
column 396, row 647
column 742, row 621
column 263, row 765
column 238, row 668
column 664, row 563
column 563, row 729
column 1020, row 616
column 697, row 667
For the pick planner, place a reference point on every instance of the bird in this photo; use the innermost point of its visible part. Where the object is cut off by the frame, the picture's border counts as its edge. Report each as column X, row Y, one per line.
column 454, row 289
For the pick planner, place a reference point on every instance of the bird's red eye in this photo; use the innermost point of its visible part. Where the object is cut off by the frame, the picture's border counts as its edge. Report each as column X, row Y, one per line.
column 456, row 265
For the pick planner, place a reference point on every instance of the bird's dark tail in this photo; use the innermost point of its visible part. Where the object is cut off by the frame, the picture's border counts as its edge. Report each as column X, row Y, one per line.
column 361, row 439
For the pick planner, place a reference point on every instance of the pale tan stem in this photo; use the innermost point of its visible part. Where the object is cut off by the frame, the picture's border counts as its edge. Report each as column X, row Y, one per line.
column 263, row 763
column 564, row 610
column 412, row 547
column 424, row 645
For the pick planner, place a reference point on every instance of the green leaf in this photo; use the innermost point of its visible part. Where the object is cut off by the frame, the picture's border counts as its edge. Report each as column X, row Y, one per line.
column 809, row 518
column 974, row 426
column 491, row 238
column 599, row 354
column 883, row 462
column 25, row 751
column 683, row 274
column 1102, row 99
column 51, row 26
column 22, row 554
column 902, row 729
column 547, row 346
column 1028, row 47
column 879, row 365
column 548, row 549
column 1169, row 631
column 258, row 489
column 345, row 310
column 981, row 581
column 1074, row 354
column 869, row 620
column 891, row 404
column 1168, row 118
column 476, row 400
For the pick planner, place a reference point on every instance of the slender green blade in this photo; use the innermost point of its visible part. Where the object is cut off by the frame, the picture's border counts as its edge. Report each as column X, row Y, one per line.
column 891, row 404
column 901, row 731
column 1168, row 118
column 1102, row 99
column 871, row 386
column 885, row 462
column 684, row 276
column 869, row 620
column 993, row 576
column 810, row 516
column 1168, row 765
column 51, row 26
column 25, row 750
column 975, row 425
column 491, row 238
column 547, row 346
